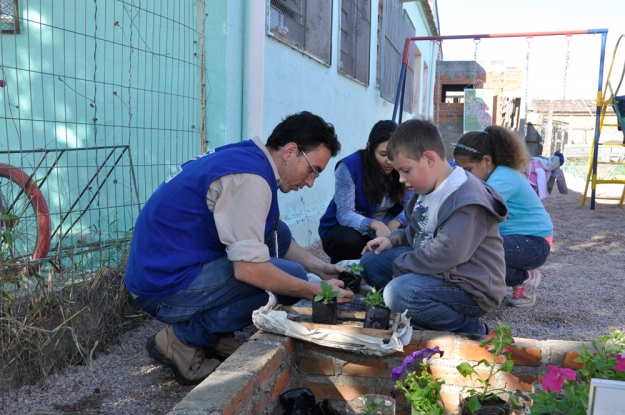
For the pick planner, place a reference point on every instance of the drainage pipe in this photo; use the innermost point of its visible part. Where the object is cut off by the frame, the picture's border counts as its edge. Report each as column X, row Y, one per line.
column 253, row 69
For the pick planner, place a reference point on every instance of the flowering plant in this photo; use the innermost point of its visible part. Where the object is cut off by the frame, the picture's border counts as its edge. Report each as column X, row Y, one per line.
column 565, row 391
column 422, row 391
column 499, row 343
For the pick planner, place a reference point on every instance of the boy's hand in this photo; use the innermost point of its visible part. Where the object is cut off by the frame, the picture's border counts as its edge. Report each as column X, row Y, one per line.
column 377, row 245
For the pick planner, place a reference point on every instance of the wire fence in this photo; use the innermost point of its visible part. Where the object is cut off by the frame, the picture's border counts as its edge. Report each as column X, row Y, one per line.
column 100, row 101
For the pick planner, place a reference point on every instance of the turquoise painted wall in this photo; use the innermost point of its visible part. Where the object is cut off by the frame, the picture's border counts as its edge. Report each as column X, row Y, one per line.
column 99, row 74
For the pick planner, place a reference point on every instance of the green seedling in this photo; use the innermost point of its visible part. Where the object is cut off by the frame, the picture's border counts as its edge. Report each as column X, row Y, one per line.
column 374, row 298
column 327, row 295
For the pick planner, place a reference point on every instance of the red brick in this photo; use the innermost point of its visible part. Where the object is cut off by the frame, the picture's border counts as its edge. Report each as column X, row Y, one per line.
column 287, row 342
column 260, row 406
column 281, row 383
column 270, row 368
column 473, row 351
column 569, row 361
column 366, row 368
column 337, row 392
column 451, row 376
column 240, row 399
column 312, row 366
column 451, row 400
column 526, row 356
column 520, row 381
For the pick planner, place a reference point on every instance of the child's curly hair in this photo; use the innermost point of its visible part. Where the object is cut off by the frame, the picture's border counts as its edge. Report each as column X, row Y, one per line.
column 503, row 146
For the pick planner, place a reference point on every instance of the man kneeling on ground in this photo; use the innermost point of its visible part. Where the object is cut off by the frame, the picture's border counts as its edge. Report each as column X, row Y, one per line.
column 208, row 244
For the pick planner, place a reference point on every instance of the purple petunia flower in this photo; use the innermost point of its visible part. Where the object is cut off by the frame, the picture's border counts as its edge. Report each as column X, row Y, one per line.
column 620, row 363
column 556, row 376
column 423, row 354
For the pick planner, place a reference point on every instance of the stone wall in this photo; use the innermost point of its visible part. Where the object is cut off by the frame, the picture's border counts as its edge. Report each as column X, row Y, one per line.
column 251, row 380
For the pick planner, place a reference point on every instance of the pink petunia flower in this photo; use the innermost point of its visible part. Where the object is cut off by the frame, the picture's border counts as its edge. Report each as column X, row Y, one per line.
column 556, row 376
column 620, row 363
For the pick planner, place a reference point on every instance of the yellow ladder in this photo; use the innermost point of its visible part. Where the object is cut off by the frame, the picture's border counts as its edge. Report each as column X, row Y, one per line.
column 591, row 179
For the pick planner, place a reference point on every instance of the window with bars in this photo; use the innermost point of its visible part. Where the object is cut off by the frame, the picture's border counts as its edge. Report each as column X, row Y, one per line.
column 304, row 24
column 8, row 16
column 396, row 27
column 355, row 39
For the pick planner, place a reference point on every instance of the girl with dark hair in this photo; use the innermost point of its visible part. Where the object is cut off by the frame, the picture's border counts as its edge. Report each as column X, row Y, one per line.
column 499, row 157
column 368, row 198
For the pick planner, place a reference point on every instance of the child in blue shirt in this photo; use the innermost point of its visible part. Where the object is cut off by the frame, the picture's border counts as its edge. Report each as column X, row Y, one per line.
column 498, row 157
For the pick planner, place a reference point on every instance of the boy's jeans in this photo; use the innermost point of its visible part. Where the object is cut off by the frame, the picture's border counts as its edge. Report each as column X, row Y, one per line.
column 523, row 253
column 434, row 304
column 378, row 269
column 216, row 302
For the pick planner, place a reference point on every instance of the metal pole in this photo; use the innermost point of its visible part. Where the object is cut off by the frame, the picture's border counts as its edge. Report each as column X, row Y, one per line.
column 597, row 123
column 401, row 83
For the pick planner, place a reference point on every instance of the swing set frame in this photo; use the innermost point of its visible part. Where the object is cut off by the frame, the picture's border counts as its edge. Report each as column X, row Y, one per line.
column 401, row 85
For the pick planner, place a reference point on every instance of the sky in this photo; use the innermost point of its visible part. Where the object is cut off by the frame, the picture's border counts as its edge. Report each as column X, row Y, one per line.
column 547, row 55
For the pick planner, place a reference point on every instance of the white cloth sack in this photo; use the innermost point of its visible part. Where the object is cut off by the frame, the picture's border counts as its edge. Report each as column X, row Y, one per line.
column 276, row 321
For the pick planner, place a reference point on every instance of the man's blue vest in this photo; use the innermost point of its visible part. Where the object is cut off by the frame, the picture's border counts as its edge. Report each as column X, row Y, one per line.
column 175, row 233
column 363, row 205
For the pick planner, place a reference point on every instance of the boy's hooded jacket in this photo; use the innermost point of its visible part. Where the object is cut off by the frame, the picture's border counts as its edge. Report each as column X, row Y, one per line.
column 466, row 248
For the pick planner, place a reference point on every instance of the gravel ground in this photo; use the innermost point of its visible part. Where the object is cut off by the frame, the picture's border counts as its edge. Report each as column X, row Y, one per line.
column 581, row 296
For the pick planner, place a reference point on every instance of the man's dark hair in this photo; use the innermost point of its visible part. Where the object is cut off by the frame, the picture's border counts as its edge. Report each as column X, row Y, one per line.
column 376, row 182
column 307, row 130
column 414, row 137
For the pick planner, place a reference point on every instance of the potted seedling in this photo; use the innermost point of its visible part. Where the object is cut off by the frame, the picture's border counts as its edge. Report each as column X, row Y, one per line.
column 378, row 314
column 324, row 305
column 371, row 405
column 351, row 277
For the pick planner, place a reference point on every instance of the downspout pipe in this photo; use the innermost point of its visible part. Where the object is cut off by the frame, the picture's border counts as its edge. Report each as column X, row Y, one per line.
column 253, row 69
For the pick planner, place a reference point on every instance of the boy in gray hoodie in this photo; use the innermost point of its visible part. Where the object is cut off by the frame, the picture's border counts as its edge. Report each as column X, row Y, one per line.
column 447, row 268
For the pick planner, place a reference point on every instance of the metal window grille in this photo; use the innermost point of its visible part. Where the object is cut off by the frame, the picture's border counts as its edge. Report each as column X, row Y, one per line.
column 8, row 16
column 396, row 27
column 304, row 24
column 355, row 39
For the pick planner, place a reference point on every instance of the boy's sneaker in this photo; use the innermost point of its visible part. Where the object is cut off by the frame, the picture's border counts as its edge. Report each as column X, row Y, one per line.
column 524, row 295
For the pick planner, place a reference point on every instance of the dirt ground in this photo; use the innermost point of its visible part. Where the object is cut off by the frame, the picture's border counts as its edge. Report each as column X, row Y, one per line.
column 582, row 295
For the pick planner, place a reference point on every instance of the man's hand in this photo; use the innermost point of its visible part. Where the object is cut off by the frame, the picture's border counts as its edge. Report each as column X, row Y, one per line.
column 329, row 271
column 347, row 295
column 377, row 245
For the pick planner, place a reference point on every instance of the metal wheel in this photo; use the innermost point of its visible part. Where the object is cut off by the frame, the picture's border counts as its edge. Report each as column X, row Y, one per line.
column 24, row 223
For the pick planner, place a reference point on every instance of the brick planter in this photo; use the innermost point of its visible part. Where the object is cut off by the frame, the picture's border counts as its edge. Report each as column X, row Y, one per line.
column 250, row 381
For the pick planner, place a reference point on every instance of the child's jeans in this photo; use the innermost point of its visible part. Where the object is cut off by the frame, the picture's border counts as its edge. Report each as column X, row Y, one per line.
column 434, row 304
column 523, row 253
column 379, row 268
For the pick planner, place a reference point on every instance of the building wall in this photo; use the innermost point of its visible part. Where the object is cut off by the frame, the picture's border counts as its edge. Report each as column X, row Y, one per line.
column 505, row 82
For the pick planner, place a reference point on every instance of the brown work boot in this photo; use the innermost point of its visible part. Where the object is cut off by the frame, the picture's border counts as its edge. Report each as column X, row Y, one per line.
column 222, row 350
column 189, row 365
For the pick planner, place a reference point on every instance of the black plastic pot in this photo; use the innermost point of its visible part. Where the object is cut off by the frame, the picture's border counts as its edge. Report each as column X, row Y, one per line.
column 377, row 317
column 493, row 406
column 324, row 313
column 352, row 282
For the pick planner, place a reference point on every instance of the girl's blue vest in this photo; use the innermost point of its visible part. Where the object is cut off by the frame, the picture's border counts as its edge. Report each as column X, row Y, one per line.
column 363, row 205
column 175, row 233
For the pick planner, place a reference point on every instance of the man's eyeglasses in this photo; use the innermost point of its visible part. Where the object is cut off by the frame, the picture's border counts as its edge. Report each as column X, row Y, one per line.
column 314, row 171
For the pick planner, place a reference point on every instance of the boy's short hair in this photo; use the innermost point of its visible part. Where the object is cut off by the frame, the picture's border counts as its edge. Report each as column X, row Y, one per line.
column 414, row 137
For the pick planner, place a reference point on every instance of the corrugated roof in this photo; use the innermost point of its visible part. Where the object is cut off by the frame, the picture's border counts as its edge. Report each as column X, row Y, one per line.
column 577, row 106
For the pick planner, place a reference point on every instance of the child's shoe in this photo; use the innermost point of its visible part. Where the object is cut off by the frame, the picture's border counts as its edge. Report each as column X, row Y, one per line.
column 524, row 295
